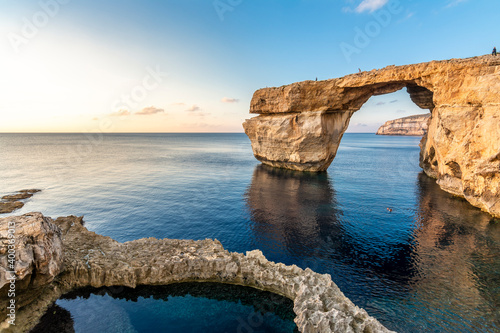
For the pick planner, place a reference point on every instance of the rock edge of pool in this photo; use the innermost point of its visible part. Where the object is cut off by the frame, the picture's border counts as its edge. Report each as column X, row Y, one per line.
column 54, row 257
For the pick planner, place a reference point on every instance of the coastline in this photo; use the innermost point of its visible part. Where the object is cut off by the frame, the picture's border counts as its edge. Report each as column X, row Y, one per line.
column 318, row 302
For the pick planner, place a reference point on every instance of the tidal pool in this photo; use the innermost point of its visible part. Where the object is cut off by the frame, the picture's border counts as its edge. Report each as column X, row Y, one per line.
column 178, row 308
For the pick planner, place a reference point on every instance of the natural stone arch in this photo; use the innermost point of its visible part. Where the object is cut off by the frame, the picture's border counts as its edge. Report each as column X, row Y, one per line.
column 300, row 125
column 305, row 132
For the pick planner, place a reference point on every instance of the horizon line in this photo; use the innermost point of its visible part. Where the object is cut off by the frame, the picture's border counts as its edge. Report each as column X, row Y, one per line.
column 148, row 132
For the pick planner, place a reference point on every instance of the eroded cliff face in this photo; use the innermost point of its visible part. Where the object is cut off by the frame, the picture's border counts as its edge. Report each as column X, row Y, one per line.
column 305, row 141
column 461, row 149
column 31, row 247
column 412, row 126
column 92, row 260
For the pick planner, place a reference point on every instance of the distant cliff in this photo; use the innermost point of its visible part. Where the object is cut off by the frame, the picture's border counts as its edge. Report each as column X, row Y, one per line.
column 413, row 125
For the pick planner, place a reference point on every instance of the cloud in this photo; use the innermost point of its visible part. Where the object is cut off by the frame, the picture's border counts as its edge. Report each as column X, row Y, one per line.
column 380, row 103
column 453, row 3
column 201, row 114
column 407, row 17
column 194, row 107
column 401, row 111
column 371, row 5
column 361, row 124
column 95, row 118
column 229, row 100
column 120, row 113
column 150, row 110
column 393, row 101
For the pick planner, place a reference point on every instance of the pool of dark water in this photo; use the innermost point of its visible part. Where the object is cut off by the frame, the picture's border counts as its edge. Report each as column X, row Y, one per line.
column 178, row 308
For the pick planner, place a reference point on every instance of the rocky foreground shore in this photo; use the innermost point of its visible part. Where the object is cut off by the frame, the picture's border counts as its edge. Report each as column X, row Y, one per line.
column 54, row 257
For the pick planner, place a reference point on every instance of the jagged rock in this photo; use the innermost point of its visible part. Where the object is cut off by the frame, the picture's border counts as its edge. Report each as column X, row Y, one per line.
column 23, row 194
column 10, row 206
column 461, row 148
column 92, row 260
column 11, row 202
column 412, row 125
column 38, row 250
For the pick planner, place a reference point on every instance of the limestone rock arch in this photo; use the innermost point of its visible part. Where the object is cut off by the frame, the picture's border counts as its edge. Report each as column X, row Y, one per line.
column 299, row 126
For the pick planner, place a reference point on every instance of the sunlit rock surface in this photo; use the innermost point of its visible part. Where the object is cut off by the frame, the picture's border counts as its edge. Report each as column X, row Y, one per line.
column 92, row 260
column 300, row 125
column 37, row 246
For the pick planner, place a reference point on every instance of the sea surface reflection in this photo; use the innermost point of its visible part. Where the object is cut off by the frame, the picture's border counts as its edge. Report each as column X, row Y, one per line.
column 430, row 265
column 439, row 265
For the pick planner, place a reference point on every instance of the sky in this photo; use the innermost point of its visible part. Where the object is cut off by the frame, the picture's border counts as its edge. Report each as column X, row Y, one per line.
column 193, row 65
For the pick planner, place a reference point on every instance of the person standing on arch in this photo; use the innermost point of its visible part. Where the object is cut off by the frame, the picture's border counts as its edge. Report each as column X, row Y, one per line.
column 494, row 51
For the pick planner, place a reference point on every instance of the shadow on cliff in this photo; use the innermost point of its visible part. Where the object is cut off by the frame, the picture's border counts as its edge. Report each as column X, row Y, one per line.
column 56, row 319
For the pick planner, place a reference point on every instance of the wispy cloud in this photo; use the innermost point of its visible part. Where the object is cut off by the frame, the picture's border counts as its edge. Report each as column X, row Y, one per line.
column 408, row 16
column 229, row 100
column 401, row 111
column 150, row 110
column 120, row 113
column 453, row 3
column 194, row 107
column 371, row 5
column 393, row 101
column 380, row 103
column 147, row 111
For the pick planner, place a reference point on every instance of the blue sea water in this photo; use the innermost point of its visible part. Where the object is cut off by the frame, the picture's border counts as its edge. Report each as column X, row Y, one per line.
column 430, row 265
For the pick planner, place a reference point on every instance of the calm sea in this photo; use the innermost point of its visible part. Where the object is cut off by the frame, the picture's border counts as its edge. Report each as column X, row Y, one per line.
column 430, row 265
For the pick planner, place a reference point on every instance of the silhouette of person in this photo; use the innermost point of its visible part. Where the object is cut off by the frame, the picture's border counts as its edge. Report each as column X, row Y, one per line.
column 494, row 51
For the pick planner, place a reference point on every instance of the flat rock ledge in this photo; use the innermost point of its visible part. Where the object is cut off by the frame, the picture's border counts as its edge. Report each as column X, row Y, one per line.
column 10, row 203
column 92, row 260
